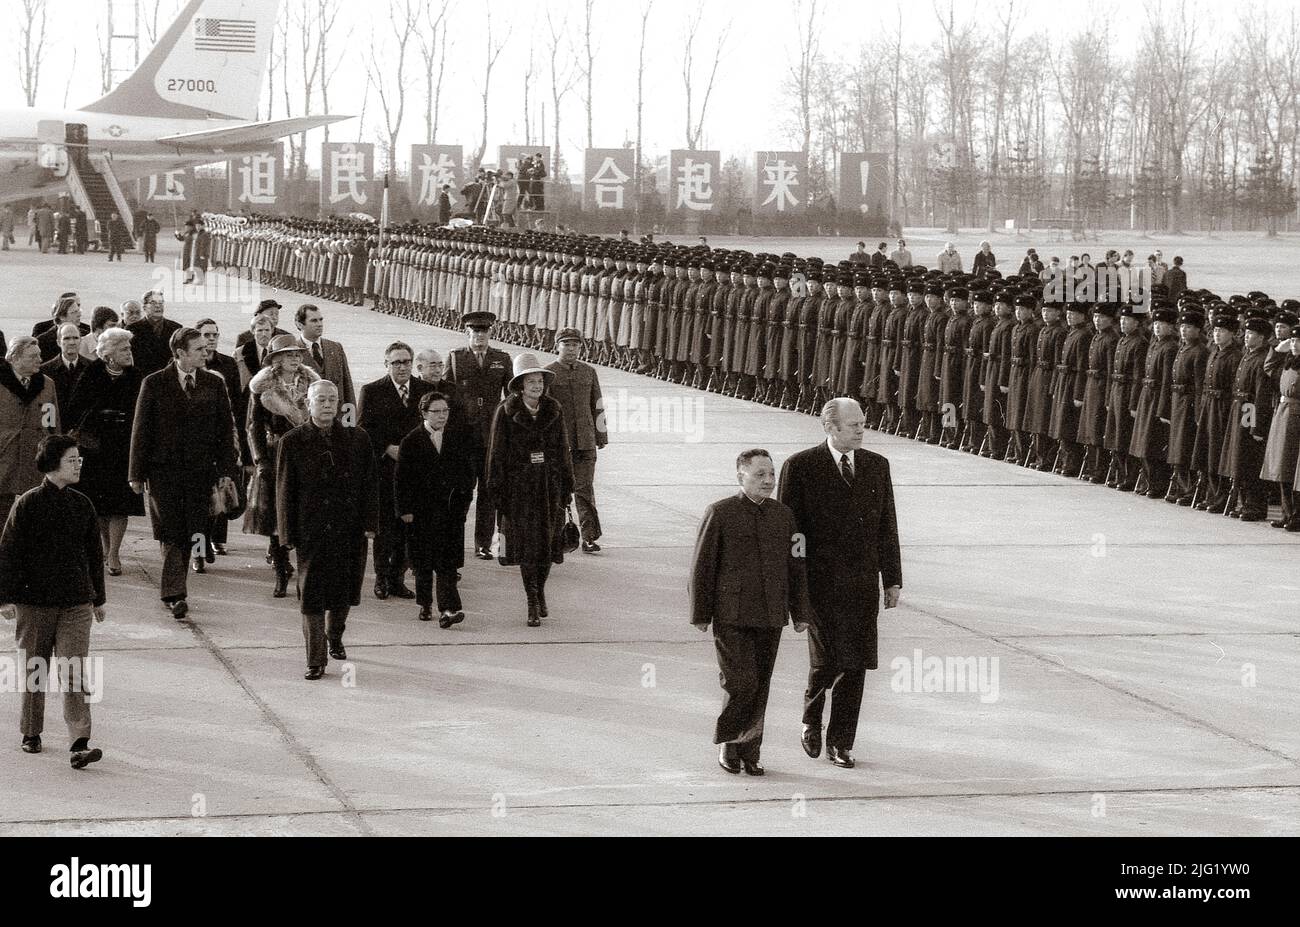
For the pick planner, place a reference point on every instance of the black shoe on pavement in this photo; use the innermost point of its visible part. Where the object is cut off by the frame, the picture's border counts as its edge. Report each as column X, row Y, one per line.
column 752, row 768
column 32, row 744
column 730, row 763
column 83, row 758
column 811, row 738
column 840, row 757
column 338, row 652
column 483, row 553
column 381, row 589
column 179, row 609
column 590, row 547
column 314, row 672
column 400, row 591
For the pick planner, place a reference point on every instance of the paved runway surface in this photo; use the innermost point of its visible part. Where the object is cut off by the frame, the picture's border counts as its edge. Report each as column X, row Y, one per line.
column 1147, row 656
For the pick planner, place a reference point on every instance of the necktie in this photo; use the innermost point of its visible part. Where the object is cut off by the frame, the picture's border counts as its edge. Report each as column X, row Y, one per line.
column 846, row 471
column 317, row 354
column 479, row 355
column 401, row 391
column 24, row 381
column 189, row 386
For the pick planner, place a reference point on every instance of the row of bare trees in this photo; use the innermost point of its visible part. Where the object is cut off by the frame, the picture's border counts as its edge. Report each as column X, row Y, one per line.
column 1005, row 116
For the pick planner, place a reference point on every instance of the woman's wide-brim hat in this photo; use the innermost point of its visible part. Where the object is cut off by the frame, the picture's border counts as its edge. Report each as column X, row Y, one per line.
column 525, row 364
column 281, row 344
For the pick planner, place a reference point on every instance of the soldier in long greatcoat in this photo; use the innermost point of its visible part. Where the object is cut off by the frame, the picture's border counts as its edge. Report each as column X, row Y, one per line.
column 1150, row 441
column 997, row 375
column 1127, row 371
column 1024, row 356
column 1038, row 408
column 1213, row 424
column 1068, row 383
column 1185, row 406
column 1253, row 394
column 1092, row 416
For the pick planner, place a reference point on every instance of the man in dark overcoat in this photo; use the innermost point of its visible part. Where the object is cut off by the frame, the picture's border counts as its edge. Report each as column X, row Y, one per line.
column 577, row 388
column 1185, row 405
column 747, row 577
column 843, row 503
column 1254, row 395
column 152, row 342
column 1150, row 441
column 326, row 506
column 182, row 444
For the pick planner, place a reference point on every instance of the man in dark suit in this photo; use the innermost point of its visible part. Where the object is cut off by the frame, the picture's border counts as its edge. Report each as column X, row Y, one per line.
column 228, row 368
column 430, row 368
column 324, row 356
column 390, row 410
column 434, row 483
column 182, row 443
column 152, row 342
column 746, row 578
column 66, row 369
column 267, row 307
column 843, row 503
column 481, row 374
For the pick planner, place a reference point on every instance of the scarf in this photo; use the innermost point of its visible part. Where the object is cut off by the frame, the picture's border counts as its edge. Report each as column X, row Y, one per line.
column 10, row 381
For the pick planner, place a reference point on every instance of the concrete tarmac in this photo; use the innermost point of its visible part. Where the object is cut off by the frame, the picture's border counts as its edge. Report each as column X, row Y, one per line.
column 1140, row 662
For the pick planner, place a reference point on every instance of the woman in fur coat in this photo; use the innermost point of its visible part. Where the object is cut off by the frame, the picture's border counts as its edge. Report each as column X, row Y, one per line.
column 277, row 405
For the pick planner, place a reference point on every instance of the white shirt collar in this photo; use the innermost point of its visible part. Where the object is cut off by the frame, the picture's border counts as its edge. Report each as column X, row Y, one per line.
column 182, row 374
column 836, row 455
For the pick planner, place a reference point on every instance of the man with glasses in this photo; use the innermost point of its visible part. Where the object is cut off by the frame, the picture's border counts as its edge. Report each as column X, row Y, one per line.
column 390, row 410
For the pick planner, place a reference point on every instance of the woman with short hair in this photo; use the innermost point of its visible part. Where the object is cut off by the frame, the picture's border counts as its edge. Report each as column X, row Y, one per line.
column 100, row 414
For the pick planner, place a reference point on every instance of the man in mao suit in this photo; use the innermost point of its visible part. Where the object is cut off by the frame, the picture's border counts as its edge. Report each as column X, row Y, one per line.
column 746, row 578
column 390, row 410
column 182, row 443
column 577, row 388
column 843, row 503
column 324, row 356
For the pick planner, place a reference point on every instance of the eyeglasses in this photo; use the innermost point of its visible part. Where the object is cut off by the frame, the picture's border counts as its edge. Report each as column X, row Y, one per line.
column 399, row 363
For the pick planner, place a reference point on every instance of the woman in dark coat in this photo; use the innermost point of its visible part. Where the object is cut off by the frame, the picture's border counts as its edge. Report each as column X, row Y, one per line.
column 433, row 487
column 100, row 413
column 531, row 479
column 277, row 405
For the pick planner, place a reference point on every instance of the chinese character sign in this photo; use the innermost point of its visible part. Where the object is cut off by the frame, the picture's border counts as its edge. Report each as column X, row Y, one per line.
column 864, row 181
column 780, row 182
column 607, row 179
column 509, row 156
column 256, row 180
column 344, row 169
column 175, row 187
column 432, row 168
column 693, row 178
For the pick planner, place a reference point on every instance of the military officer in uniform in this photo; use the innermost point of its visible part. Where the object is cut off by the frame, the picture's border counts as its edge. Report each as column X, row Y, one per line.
column 481, row 373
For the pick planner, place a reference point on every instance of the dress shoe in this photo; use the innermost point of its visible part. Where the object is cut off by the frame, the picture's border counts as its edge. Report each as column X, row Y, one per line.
column 338, row 652
column 426, row 614
column 114, row 571
column 483, row 553
column 1277, row 523
column 840, row 757
column 381, row 589
column 179, row 609
column 730, row 763
column 281, row 585
column 220, row 549
column 400, row 591
column 1201, row 506
column 1253, row 516
column 210, row 555
column 590, row 547
column 444, row 620
column 32, row 744
column 314, row 672
column 83, row 758
column 752, row 768
column 811, row 738
column 198, row 566
column 534, row 621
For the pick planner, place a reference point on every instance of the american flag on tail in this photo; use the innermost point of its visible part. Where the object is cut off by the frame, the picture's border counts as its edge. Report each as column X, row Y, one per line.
column 225, row 35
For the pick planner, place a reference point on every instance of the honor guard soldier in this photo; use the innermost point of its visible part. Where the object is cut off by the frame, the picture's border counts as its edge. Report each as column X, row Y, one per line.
column 1068, row 386
column 480, row 373
column 1252, row 412
column 1127, row 370
column 1185, row 402
column 1213, row 423
column 1150, row 443
column 1092, row 416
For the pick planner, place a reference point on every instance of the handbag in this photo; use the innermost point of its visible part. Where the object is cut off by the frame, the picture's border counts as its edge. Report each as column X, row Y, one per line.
column 570, row 536
column 225, row 499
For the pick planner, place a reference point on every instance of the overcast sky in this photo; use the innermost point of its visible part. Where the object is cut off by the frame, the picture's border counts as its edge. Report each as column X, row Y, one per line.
column 744, row 111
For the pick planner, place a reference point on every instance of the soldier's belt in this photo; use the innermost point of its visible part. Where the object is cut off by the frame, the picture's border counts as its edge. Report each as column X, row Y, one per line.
column 969, row 352
column 1238, row 394
column 1179, row 387
column 1062, row 366
column 1216, row 393
column 1149, row 381
column 905, row 343
column 1120, row 378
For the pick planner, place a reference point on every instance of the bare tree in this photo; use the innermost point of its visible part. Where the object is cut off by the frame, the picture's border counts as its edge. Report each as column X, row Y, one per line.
column 309, row 31
column 694, row 121
column 31, row 46
column 803, row 70
column 640, row 103
column 589, row 66
column 528, row 87
column 564, row 77
column 492, row 53
column 1000, row 77
column 327, row 12
column 432, row 36
column 105, row 59
column 386, row 71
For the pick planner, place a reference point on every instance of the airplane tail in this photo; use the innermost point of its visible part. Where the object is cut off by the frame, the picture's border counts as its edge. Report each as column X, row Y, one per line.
column 207, row 65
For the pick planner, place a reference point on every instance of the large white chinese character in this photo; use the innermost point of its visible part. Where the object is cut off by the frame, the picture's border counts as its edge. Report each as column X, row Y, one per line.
column 347, row 166
column 257, row 178
column 433, row 175
column 609, row 181
column 173, row 187
column 781, row 176
column 695, row 185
